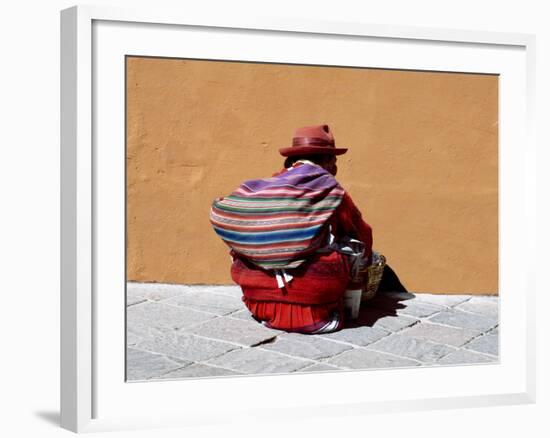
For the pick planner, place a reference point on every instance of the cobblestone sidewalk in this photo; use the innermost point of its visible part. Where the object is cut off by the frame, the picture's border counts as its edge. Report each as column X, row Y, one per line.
column 178, row 331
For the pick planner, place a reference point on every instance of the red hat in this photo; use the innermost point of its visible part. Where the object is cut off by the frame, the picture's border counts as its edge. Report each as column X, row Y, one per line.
column 309, row 140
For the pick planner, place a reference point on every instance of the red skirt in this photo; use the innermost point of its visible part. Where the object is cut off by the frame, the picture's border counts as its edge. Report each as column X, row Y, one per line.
column 291, row 317
column 306, row 303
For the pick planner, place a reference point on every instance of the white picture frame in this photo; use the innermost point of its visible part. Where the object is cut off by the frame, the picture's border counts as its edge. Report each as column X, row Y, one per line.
column 94, row 41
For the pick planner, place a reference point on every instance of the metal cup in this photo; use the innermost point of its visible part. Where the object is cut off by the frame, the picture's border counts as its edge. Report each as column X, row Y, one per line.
column 352, row 302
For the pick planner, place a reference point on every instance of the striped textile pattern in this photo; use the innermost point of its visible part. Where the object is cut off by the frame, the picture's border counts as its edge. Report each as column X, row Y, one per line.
column 277, row 222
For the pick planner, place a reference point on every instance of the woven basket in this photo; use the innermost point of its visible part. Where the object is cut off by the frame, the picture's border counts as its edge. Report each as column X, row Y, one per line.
column 374, row 275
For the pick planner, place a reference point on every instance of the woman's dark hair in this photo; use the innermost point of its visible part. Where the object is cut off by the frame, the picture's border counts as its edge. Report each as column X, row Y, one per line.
column 316, row 158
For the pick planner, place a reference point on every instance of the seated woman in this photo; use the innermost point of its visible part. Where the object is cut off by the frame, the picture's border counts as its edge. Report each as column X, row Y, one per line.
column 287, row 235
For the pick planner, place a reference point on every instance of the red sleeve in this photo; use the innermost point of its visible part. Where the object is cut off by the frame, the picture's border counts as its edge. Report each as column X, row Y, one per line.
column 347, row 220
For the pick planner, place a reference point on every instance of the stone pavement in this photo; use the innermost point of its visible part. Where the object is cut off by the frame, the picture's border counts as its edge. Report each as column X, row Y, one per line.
column 180, row 331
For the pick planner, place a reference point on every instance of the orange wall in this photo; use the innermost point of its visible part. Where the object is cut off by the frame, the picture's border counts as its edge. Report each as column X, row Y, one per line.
column 422, row 163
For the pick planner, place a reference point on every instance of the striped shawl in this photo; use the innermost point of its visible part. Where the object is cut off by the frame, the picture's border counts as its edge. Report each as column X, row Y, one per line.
column 277, row 222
